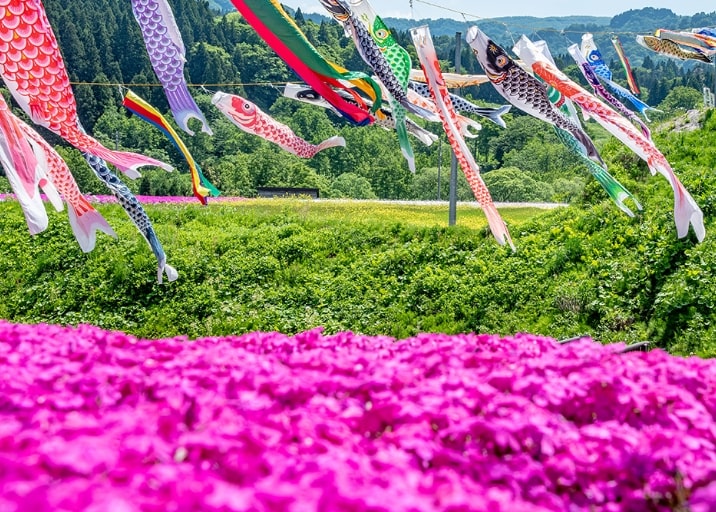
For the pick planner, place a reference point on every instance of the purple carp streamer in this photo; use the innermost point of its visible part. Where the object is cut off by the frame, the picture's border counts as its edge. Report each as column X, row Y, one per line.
column 602, row 92
column 441, row 96
column 596, row 62
column 168, row 56
column 255, row 121
column 686, row 211
column 345, row 422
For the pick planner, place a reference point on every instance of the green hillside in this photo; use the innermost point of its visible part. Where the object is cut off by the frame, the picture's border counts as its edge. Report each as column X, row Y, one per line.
column 379, row 269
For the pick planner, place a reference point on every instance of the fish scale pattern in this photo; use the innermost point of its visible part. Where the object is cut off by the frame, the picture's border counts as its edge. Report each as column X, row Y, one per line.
column 376, row 59
column 460, row 103
column 598, row 65
column 252, row 119
column 28, row 54
column 134, row 210
column 33, row 70
column 60, row 174
column 166, row 54
column 441, row 96
column 522, row 89
column 670, row 49
column 283, row 136
column 124, row 196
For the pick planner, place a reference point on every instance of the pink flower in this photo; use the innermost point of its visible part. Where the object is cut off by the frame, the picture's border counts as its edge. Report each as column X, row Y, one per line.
column 93, row 420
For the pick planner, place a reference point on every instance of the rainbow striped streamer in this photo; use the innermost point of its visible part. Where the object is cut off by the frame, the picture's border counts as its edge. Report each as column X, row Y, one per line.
column 625, row 62
column 201, row 186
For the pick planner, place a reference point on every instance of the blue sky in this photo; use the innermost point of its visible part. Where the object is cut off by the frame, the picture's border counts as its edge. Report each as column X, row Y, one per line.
column 480, row 9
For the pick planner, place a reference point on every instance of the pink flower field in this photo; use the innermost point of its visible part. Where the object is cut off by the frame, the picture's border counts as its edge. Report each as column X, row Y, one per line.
column 97, row 420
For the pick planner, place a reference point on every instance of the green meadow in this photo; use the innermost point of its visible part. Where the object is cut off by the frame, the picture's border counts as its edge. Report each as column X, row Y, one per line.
column 368, row 267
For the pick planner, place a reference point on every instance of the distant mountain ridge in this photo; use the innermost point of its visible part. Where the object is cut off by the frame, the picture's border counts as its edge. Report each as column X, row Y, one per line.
column 448, row 26
column 515, row 24
column 558, row 31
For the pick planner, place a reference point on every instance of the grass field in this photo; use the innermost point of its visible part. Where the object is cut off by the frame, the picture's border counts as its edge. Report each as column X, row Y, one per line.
column 395, row 269
column 469, row 215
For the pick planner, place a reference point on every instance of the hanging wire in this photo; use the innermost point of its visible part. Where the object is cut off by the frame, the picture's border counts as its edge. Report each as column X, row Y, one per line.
column 564, row 34
column 123, row 86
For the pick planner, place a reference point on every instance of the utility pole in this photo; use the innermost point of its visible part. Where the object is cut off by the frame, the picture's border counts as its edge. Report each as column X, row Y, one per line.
column 440, row 162
column 452, row 213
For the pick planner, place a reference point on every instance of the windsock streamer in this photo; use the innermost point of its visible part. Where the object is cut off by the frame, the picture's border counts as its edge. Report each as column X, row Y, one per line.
column 201, row 186
column 168, row 56
column 627, row 67
column 136, row 213
column 255, row 121
column 615, row 190
column 33, row 70
column 280, row 32
column 441, row 96
column 21, row 169
column 686, row 211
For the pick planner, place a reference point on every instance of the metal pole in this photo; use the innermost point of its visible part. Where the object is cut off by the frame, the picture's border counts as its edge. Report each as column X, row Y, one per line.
column 440, row 162
column 452, row 213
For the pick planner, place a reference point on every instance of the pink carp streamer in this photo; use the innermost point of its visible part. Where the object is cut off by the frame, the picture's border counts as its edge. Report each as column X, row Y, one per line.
column 686, row 211
column 33, row 70
column 441, row 96
column 255, row 121
column 168, row 56
column 95, row 420
column 22, row 170
column 85, row 221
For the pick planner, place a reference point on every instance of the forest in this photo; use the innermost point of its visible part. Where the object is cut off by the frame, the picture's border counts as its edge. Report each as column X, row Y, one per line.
column 105, row 55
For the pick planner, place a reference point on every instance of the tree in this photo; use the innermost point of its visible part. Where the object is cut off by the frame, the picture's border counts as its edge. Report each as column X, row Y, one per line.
column 353, row 186
column 425, row 185
column 681, row 98
column 542, row 156
column 512, row 185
